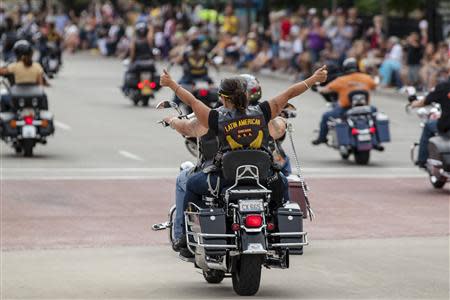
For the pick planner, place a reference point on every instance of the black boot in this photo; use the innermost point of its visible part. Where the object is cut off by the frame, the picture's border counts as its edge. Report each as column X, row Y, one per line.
column 179, row 243
column 319, row 141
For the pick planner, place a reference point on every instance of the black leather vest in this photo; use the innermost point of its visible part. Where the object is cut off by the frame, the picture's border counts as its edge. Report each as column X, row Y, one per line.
column 143, row 50
column 247, row 130
column 209, row 146
column 195, row 65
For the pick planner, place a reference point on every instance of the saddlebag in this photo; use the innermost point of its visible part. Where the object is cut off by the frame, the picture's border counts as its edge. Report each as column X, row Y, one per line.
column 207, row 225
column 342, row 131
column 439, row 150
column 6, row 126
column 382, row 125
column 290, row 235
column 50, row 128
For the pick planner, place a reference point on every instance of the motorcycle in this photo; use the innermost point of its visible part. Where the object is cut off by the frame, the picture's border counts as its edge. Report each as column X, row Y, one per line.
column 28, row 121
column 141, row 81
column 50, row 61
column 360, row 129
column 438, row 162
column 236, row 233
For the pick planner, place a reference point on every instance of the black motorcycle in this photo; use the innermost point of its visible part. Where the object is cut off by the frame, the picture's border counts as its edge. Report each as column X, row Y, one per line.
column 238, row 230
column 51, row 60
column 141, row 81
column 438, row 162
column 28, row 121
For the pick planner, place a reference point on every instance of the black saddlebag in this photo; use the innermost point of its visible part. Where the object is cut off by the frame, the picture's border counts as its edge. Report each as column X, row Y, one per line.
column 212, row 221
column 7, row 128
column 290, row 233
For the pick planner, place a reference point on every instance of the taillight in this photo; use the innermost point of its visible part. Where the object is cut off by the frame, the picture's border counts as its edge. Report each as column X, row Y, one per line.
column 140, row 85
column 270, row 226
column 253, row 221
column 355, row 131
column 235, row 227
column 372, row 130
column 153, row 85
column 28, row 120
column 254, row 90
column 203, row 93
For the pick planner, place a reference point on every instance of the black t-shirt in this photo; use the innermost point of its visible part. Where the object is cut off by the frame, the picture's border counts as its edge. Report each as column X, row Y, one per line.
column 213, row 118
column 441, row 95
column 414, row 55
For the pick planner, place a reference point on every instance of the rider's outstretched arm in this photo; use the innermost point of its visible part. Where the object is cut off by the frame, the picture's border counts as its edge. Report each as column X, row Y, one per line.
column 201, row 110
column 279, row 102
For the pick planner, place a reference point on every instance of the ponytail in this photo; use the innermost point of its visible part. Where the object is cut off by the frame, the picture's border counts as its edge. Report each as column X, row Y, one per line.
column 27, row 60
column 234, row 90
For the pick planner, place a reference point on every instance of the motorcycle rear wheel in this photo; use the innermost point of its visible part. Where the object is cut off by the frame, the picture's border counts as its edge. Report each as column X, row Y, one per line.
column 27, row 145
column 214, row 276
column 362, row 157
column 247, row 275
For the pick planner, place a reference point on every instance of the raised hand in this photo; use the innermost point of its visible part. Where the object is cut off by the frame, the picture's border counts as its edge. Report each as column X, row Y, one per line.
column 320, row 75
column 165, row 79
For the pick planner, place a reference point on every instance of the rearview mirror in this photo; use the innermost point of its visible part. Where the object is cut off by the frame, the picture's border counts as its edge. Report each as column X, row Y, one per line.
column 164, row 104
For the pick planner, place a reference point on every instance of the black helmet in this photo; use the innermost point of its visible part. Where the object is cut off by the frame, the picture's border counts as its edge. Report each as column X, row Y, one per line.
column 21, row 48
column 195, row 44
column 253, row 88
column 350, row 65
column 141, row 30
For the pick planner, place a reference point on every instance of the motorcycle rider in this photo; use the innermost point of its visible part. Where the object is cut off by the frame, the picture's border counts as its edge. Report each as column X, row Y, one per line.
column 440, row 94
column 195, row 64
column 140, row 50
column 251, row 132
column 353, row 80
column 8, row 39
column 25, row 71
column 51, row 36
column 208, row 148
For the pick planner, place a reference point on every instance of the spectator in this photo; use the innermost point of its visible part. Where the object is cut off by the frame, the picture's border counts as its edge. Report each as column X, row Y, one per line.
column 230, row 21
column 414, row 54
column 391, row 66
column 341, row 37
column 376, row 34
column 316, row 39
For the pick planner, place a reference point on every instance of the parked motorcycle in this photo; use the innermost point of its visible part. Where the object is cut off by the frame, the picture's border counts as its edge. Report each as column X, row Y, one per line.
column 28, row 121
column 141, row 81
column 438, row 162
column 360, row 130
column 236, row 233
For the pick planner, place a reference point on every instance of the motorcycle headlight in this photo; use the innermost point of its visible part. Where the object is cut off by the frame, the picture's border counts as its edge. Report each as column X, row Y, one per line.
column 35, row 102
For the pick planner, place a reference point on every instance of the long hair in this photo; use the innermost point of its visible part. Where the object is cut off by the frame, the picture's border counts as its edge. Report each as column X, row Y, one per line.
column 27, row 60
column 234, row 90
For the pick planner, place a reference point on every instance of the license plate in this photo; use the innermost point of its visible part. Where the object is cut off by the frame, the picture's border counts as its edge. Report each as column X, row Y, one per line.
column 364, row 137
column 146, row 91
column 28, row 131
column 251, row 205
column 145, row 76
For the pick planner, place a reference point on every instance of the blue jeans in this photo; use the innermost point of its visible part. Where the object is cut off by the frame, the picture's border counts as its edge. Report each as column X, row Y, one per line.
column 180, row 193
column 287, row 169
column 335, row 112
column 428, row 132
column 389, row 68
column 197, row 187
column 5, row 102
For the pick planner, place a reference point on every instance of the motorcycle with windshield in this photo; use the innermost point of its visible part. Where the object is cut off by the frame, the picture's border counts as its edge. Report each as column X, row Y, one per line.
column 238, row 231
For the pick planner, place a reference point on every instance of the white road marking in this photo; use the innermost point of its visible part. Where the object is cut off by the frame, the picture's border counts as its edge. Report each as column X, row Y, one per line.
column 163, row 173
column 130, row 155
column 62, row 126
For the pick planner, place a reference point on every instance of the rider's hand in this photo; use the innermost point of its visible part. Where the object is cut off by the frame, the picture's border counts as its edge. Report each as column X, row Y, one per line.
column 169, row 119
column 320, row 75
column 165, row 79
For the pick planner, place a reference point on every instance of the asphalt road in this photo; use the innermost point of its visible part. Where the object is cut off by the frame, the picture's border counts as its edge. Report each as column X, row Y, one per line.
column 75, row 219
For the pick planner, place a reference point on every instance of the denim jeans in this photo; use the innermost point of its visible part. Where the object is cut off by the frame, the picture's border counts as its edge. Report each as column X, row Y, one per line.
column 180, row 192
column 389, row 68
column 335, row 112
column 428, row 132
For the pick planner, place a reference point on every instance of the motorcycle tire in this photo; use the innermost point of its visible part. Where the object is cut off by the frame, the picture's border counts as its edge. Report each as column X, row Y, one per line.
column 362, row 157
column 145, row 101
column 28, row 145
column 247, row 275
column 438, row 183
column 214, row 276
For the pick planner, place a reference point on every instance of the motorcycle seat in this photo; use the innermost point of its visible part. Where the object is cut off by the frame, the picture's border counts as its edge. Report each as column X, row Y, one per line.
column 359, row 110
column 27, row 91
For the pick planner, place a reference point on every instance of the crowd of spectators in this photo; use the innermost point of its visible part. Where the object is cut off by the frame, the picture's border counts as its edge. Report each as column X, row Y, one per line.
column 294, row 42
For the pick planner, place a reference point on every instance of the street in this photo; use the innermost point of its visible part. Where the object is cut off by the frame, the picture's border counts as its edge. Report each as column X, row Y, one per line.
column 76, row 217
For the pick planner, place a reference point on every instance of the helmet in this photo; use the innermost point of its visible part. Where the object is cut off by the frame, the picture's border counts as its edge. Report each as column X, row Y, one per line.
column 22, row 47
column 350, row 65
column 253, row 88
column 195, row 44
column 141, row 29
